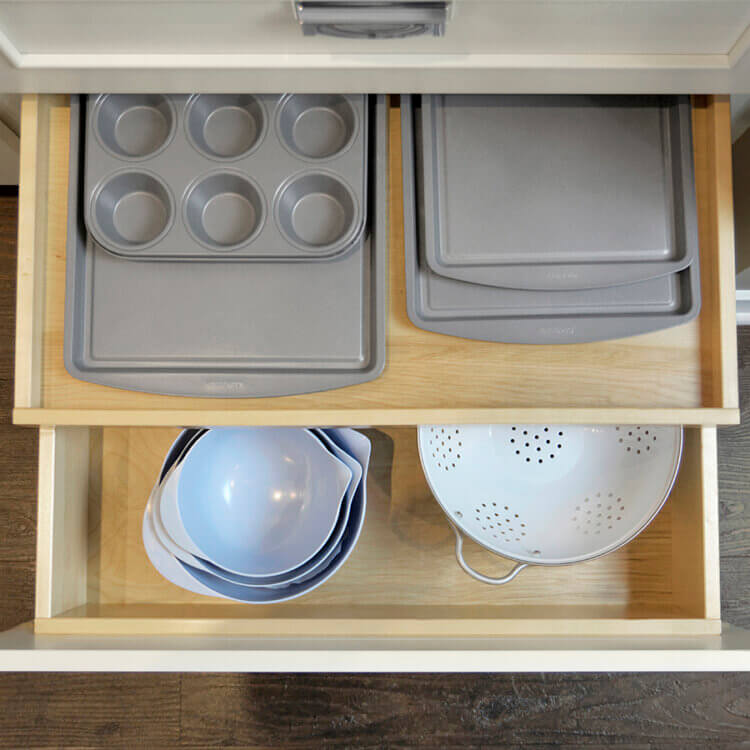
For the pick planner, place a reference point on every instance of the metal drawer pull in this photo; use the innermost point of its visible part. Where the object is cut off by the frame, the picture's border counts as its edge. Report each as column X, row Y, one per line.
column 372, row 20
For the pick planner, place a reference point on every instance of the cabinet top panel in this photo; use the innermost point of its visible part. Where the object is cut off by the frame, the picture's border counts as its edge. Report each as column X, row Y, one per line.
column 507, row 27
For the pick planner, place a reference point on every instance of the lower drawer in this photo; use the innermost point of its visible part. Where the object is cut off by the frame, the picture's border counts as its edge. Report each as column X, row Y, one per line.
column 399, row 603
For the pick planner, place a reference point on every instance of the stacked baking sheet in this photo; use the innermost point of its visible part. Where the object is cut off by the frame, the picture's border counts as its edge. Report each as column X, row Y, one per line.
column 226, row 245
column 549, row 219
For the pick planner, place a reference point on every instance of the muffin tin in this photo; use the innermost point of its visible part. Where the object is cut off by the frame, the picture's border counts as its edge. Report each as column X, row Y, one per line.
column 226, row 176
column 226, row 329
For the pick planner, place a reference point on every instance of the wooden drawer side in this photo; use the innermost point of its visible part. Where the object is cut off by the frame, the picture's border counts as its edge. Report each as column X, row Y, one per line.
column 713, row 181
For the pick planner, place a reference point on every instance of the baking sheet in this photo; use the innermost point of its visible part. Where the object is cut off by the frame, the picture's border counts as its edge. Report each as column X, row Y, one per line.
column 227, row 329
column 558, row 191
column 476, row 311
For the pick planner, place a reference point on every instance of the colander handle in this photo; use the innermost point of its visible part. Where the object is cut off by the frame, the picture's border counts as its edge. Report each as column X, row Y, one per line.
column 475, row 574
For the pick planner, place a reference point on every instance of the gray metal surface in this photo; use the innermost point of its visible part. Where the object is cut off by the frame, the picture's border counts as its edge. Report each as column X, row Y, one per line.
column 207, row 177
column 383, row 19
column 558, row 192
column 459, row 308
column 228, row 329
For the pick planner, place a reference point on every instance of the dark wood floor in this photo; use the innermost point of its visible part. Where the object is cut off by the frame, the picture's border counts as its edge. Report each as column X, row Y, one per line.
column 467, row 711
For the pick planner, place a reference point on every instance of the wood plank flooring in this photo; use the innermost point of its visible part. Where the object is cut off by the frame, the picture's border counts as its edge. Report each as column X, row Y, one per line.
column 373, row 711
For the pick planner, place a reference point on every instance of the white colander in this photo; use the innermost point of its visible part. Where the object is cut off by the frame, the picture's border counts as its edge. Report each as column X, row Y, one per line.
column 549, row 494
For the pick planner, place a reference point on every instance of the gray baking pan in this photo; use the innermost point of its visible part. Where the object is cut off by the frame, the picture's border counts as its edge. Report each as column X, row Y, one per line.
column 558, row 192
column 475, row 311
column 228, row 329
column 226, row 176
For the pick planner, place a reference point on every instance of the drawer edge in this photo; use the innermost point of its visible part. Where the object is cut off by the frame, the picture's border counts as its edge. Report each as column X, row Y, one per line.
column 327, row 417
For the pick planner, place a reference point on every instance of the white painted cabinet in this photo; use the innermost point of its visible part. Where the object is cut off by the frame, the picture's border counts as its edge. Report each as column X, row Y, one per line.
column 652, row 606
column 401, row 603
column 489, row 45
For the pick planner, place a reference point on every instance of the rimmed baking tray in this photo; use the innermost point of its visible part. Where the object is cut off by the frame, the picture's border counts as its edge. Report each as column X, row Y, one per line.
column 227, row 329
column 459, row 308
column 226, row 177
column 558, row 191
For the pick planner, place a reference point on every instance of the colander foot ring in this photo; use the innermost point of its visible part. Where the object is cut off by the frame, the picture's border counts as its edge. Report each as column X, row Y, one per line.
column 475, row 574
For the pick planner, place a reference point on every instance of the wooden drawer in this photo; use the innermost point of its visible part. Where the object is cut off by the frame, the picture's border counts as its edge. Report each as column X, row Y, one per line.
column 685, row 375
column 399, row 603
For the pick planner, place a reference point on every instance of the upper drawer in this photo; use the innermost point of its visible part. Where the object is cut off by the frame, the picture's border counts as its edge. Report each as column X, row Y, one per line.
column 489, row 45
column 684, row 375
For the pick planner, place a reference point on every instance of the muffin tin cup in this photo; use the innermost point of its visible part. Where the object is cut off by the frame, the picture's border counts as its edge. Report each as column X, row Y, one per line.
column 225, row 127
column 317, row 212
column 226, row 162
column 224, row 210
column 316, row 127
column 133, row 127
column 131, row 210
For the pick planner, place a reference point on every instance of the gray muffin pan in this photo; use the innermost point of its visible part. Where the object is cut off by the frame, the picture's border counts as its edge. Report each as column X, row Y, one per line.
column 226, row 176
column 477, row 311
column 226, row 329
column 558, row 192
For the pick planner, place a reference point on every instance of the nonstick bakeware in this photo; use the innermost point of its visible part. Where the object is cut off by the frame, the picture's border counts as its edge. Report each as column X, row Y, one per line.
column 476, row 311
column 228, row 329
column 226, row 176
column 558, row 192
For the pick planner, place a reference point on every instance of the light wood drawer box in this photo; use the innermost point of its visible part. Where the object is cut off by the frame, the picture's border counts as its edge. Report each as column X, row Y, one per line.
column 685, row 375
column 399, row 603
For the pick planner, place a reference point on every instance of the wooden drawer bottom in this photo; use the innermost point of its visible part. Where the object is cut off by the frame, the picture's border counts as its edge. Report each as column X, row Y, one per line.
column 402, row 579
